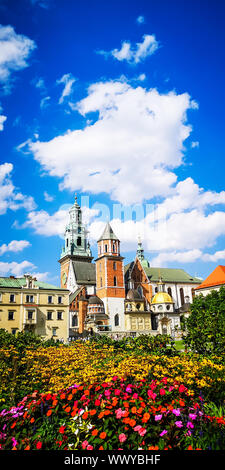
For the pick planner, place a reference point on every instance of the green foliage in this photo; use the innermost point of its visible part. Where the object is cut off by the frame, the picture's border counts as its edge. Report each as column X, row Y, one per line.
column 206, row 324
column 159, row 344
column 23, row 340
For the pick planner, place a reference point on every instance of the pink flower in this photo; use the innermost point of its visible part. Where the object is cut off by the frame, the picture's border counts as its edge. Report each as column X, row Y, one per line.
column 162, row 391
column 137, row 428
column 179, row 424
column 158, row 417
column 142, row 432
column 89, row 447
column 122, row 437
column 84, row 444
column 135, row 396
column 151, row 394
column 163, row 433
column 190, row 425
column 129, row 389
column 192, row 416
column 176, row 412
column 120, row 413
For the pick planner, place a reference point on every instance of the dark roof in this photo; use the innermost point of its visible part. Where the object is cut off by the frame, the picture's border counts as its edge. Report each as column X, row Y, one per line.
column 133, row 294
column 94, row 299
column 84, row 272
column 108, row 233
column 167, row 274
column 19, row 282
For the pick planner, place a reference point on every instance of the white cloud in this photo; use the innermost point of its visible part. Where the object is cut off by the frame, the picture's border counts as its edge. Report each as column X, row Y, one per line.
column 134, row 54
column 140, row 19
column 15, row 50
column 67, row 80
column 14, row 246
column 10, row 197
column 44, row 102
column 2, row 120
column 48, row 197
column 194, row 144
column 16, row 269
column 130, row 151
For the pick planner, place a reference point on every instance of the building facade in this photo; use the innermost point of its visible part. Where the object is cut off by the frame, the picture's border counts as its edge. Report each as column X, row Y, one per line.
column 127, row 295
column 29, row 305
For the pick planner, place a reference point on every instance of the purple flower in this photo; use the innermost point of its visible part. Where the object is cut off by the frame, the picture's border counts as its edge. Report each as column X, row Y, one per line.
column 163, row 432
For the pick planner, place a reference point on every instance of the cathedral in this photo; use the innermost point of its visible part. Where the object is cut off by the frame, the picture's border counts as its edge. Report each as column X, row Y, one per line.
column 107, row 295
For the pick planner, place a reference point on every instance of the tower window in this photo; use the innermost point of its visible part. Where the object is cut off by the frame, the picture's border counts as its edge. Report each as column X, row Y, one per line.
column 114, row 281
column 113, row 248
column 67, row 242
column 116, row 320
column 169, row 290
column 100, row 281
column 182, row 295
column 78, row 241
column 106, row 248
column 114, row 266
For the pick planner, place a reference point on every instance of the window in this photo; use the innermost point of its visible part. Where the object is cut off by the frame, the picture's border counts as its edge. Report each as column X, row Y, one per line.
column 140, row 291
column 114, row 281
column 78, row 241
column 182, row 295
column 59, row 316
column 49, row 315
column 168, row 307
column 100, row 267
column 113, row 248
column 156, row 290
column 59, row 299
column 74, row 320
column 30, row 315
column 54, row 332
column 29, row 298
column 116, row 320
column 50, row 299
column 100, row 281
column 114, row 265
column 14, row 330
column 67, row 242
column 11, row 316
column 12, row 298
column 169, row 290
column 106, row 248
column 138, row 306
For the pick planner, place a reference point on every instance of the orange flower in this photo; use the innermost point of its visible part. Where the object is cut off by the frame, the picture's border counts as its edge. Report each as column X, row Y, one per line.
column 70, row 396
column 145, row 418
column 27, row 448
column 92, row 412
column 49, row 412
column 85, row 415
column 13, row 425
column 153, row 448
column 55, row 402
column 101, row 414
column 86, row 392
column 68, row 409
column 94, row 432
column 132, row 422
column 189, row 448
column 63, row 396
column 134, row 410
column 102, row 435
column 182, row 403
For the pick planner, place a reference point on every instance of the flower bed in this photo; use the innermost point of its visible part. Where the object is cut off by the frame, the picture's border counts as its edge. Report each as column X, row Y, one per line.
column 119, row 414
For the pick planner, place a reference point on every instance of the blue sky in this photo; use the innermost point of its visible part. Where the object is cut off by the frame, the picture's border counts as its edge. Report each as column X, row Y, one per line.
column 123, row 103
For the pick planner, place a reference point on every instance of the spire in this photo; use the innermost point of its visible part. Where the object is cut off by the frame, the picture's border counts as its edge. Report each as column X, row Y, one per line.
column 108, row 233
column 140, row 254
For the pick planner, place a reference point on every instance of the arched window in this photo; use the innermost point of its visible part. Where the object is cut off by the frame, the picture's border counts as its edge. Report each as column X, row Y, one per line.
column 114, row 266
column 78, row 241
column 106, row 248
column 74, row 320
column 156, row 290
column 169, row 290
column 140, row 290
column 114, row 281
column 116, row 320
column 182, row 295
column 100, row 281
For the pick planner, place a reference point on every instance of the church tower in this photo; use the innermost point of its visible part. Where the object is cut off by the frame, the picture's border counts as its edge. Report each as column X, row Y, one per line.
column 110, row 278
column 76, row 246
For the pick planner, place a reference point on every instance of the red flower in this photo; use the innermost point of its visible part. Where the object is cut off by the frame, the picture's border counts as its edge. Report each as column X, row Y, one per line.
column 62, row 429
column 39, row 445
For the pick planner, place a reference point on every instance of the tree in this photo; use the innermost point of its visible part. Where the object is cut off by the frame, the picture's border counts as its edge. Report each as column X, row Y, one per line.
column 206, row 323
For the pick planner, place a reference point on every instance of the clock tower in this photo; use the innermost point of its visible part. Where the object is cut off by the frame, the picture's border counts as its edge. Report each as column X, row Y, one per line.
column 76, row 245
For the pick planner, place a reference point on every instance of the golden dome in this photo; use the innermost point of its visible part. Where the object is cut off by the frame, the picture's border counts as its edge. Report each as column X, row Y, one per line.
column 162, row 298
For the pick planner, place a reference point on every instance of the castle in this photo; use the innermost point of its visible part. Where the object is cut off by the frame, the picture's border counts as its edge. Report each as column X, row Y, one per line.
column 106, row 295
